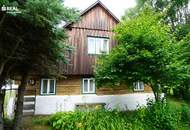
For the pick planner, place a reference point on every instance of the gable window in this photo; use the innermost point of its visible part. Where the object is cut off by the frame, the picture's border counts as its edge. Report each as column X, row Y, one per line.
column 88, row 85
column 97, row 45
column 138, row 86
column 48, row 86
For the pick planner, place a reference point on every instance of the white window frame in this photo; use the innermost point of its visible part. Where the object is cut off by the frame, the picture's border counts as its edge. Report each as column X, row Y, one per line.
column 88, row 82
column 137, row 87
column 48, row 87
column 97, row 51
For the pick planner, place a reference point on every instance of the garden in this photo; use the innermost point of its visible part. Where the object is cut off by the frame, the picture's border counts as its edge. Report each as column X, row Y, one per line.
column 171, row 114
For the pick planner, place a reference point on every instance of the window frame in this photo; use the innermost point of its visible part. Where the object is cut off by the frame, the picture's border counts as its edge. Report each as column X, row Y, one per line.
column 48, row 87
column 102, row 42
column 138, row 89
column 88, row 83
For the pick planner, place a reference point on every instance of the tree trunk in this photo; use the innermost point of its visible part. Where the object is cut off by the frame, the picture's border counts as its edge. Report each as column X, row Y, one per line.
column 156, row 90
column 19, row 106
column 1, row 112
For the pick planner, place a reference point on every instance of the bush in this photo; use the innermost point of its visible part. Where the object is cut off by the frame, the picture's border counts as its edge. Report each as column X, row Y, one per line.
column 158, row 116
column 92, row 120
column 182, row 92
column 185, row 114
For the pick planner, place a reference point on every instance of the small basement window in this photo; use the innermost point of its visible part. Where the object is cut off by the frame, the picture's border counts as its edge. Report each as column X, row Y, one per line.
column 98, row 45
column 48, row 86
column 88, row 85
column 138, row 86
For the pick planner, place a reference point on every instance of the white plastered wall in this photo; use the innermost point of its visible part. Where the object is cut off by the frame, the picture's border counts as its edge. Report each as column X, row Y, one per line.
column 51, row 104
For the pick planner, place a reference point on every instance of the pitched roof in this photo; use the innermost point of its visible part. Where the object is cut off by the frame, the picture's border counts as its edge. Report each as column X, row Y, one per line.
column 98, row 2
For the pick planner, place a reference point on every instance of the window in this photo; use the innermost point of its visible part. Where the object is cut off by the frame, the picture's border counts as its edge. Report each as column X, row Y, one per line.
column 48, row 86
column 98, row 45
column 88, row 85
column 138, row 86
column 68, row 55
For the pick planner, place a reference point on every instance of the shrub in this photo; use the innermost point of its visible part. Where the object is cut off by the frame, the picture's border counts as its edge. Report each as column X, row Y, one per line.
column 185, row 114
column 92, row 120
column 157, row 115
column 182, row 92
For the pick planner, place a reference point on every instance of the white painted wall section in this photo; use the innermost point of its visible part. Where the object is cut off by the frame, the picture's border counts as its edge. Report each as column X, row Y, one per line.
column 46, row 105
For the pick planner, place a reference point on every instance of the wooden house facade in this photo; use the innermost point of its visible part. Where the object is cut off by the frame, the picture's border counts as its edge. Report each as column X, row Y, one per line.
column 90, row 37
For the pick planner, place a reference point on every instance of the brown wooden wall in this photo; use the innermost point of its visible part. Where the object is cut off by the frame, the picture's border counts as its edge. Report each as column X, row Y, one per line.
column 72, row 86
column 96, row 22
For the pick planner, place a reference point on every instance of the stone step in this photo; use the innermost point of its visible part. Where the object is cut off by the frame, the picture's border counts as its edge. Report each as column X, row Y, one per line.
column 29, row 107
column 29, row 99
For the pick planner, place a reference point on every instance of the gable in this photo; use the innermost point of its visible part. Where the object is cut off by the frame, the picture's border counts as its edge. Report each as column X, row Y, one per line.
column 98, row 18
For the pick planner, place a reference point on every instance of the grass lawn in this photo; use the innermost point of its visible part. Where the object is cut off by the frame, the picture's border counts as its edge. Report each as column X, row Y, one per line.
column 177, row 104
column 38, row 122
column 29, row 123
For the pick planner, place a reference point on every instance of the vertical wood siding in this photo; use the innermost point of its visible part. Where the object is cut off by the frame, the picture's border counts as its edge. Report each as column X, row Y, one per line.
column 96, row 22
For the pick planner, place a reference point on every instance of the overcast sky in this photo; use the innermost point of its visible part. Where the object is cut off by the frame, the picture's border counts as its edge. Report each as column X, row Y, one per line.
column 117, row 7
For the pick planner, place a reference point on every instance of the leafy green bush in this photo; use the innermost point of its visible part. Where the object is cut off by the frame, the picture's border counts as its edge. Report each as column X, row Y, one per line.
column 182, row 92
column 185, row 114
column 92, row 120
column 158, row 116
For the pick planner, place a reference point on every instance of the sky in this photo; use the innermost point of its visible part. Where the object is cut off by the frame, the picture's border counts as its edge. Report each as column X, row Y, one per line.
column 117, row 7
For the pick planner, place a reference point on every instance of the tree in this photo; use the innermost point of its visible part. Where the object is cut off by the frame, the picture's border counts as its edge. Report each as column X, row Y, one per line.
column 146, row 52
column 174, row 11
column 182, row 88
column 32, row 43
column 176, row 14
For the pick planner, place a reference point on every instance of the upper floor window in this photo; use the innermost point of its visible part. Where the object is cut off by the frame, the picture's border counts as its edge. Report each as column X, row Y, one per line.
column 88, row 85
column 138, row 86
column 97, row 45
column 48, row 86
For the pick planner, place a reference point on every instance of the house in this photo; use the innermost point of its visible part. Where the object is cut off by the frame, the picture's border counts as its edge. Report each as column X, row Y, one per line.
column 91, row 36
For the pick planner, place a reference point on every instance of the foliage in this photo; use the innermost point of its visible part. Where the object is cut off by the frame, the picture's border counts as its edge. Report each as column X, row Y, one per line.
column 35, row 32
column 146, row 52
column 174, row 12
column 182, row 88
column 185, row 114
column 93, row 120
column 159, row 116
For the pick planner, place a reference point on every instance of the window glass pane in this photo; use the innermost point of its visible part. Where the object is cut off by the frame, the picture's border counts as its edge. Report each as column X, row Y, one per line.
column 85, row 86
column 92, row 86
column 98, row 45
column 141, row 86
column 45, row 82
column 91, row 46
column 105, row 46
column 52, row 86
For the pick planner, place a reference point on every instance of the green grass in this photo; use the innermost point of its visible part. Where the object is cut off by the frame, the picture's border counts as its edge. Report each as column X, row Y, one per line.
column 177, row 104
column 35, row 123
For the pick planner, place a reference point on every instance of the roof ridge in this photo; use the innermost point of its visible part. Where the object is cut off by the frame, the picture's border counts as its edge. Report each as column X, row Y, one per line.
column 93, row 5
